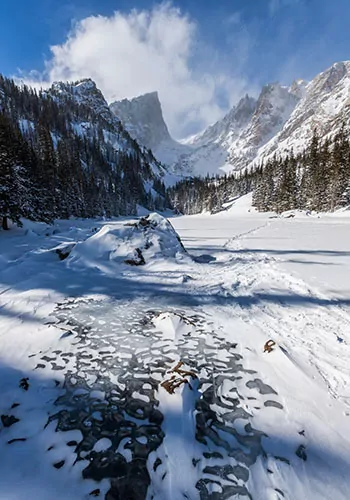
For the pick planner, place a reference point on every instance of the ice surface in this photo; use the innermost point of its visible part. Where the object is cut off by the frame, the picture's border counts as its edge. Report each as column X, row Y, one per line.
column 87, row 342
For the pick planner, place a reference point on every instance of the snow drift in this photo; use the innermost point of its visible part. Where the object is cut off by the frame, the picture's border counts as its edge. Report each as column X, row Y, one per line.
column 150, row 238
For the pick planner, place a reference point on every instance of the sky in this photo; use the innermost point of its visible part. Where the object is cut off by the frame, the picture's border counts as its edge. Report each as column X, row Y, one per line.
column 200, row 55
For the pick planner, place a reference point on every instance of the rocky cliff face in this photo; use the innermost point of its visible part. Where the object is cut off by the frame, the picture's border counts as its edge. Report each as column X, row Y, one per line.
column 282, row 118
column 84, row 93
column 225, row 130
column 143, row 119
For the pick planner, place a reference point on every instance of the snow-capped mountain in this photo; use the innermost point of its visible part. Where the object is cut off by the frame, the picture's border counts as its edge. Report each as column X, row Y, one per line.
column 143, row 118
column 325, row 106
column 86, row 95
column 281, row 119
column 230, row 144
column 233, row 142
column 210, row 148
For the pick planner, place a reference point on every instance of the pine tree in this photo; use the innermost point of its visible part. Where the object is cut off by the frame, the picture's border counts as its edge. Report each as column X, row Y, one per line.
column 11, row 174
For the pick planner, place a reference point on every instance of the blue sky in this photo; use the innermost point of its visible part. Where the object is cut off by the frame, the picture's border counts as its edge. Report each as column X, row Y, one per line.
column 232, row 46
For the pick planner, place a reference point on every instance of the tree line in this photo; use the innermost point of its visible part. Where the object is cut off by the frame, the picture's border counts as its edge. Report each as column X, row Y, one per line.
column 317, row 179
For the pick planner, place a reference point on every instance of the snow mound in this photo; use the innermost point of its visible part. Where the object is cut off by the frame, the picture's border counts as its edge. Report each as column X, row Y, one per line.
column 150, row 238
column 173, row 325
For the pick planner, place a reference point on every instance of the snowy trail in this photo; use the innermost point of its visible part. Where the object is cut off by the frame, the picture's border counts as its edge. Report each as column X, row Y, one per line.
column 285, row 308
column 315, row 326
column 94, row 340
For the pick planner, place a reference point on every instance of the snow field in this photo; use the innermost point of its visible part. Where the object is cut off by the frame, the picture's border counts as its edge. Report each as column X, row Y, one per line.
column 95, row 339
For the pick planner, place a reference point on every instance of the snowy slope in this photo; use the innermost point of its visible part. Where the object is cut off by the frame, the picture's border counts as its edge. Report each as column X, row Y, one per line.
column 99, row 116
column 283, row 118
column 232, row 143
column 325, row 107
column 151, row 381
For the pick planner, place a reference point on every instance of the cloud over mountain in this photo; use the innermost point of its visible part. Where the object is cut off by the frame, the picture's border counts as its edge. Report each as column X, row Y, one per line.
column 129, row 54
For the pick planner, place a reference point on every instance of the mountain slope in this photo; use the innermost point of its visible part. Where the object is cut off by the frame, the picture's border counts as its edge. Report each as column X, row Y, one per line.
column 282, row 119
column 143, row 118
column 67, row 154
column 233, row 142
column 325, row 107
column 85, row 94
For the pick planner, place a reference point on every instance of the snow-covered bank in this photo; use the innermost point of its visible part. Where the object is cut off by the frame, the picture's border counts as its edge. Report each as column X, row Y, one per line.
column 98, row 339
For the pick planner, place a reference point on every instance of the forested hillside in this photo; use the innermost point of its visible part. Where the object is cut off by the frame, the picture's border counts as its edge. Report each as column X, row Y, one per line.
column 63, row 153
column 317, row 179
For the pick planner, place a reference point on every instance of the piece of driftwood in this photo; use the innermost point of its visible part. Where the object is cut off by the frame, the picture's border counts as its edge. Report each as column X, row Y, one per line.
column 173, row 383
column 183, row 373
column 176, row 381
column 268, row 347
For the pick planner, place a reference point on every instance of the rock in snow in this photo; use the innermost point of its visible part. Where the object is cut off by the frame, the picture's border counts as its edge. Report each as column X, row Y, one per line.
column 149, row 239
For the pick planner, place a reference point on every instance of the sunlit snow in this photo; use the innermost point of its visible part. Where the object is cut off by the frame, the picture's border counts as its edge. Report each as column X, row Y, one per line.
column 90, row 336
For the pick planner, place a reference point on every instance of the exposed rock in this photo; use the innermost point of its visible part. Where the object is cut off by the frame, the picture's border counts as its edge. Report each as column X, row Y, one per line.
column 137, row 259
column 8, row 420
column 24, row 384
column 59, row 465
column 150, row 238
column 17, row 440
column 95, row 493
column 63, row 251
column 301, row 452
column 143, row 118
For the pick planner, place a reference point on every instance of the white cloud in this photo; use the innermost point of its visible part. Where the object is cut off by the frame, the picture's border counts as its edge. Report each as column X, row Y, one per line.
column 142, row 51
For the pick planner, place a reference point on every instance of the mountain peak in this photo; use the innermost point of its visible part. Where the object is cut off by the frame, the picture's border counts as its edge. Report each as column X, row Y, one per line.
column 84, row 92
column 149, row 98
column 85, row 89
column 298, row 88
column 233, row 142
column 330, row 78
column 142, row 116
column 85, row 85
column 148, row 95
column 324, row 106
